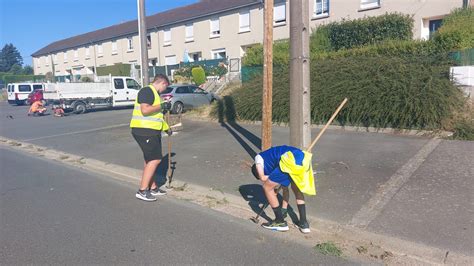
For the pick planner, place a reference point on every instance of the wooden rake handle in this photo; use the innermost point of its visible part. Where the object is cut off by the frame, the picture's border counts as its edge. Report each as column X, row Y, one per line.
column 327, row 125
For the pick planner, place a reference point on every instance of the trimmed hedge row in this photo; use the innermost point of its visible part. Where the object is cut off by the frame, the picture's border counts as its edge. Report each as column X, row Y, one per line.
column 10, row 78
column 383, row 92
column 459, row 23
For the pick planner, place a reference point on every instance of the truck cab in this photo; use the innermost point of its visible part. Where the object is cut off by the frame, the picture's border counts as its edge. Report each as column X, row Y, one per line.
column 125, row 91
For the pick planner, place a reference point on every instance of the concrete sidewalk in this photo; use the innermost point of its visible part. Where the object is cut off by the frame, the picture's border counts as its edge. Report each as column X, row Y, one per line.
column 413, row 188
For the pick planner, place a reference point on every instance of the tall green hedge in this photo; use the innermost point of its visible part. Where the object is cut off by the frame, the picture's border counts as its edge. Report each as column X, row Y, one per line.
column 10, row 78
column 348, row 34
column 115, row 70
column 458, row 24
column 383, row 91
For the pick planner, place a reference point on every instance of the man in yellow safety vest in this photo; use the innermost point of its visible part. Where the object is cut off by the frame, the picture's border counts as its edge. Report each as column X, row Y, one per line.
column 147, row 124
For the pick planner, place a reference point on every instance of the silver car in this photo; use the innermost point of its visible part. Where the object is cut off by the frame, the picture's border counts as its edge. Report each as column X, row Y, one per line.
column 186, row 96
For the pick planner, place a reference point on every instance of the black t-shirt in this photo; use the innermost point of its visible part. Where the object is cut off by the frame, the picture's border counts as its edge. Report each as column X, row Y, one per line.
column 145, row 95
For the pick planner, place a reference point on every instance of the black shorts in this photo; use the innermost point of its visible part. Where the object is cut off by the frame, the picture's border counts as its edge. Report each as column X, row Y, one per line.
column 151, row 147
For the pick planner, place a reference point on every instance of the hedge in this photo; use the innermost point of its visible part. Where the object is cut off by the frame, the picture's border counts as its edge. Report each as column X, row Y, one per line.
column 10, row 78
column 199, row 76
column 115, row 70
column 460, row 23
column 383, row 92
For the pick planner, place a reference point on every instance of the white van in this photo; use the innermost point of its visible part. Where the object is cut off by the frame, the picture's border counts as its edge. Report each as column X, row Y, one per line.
column 18, row 92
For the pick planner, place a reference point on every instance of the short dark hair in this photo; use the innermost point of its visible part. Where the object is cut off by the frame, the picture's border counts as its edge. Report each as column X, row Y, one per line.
column 255, row 172
column 161, row 77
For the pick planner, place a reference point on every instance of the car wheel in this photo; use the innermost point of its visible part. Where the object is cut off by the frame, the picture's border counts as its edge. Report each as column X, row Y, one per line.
column 177, row 108
column 79, row 108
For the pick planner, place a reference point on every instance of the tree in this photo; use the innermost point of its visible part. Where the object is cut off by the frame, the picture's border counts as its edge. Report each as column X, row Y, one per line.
column 9, row 56
column 27, row 70
column 16, row 69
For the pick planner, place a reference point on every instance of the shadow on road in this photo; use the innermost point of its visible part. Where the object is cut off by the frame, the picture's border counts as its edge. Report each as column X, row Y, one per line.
column 227, row 118
column 161, row 171
column 255, row 197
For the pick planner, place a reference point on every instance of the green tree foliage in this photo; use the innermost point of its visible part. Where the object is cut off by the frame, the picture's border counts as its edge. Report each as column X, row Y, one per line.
column 9, row 56
column 27, row 70
column 16, row 69
column 199, row 76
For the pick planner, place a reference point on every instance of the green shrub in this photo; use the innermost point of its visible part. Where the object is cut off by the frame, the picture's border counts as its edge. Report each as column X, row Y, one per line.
column 254, row 55
column 9, row 78
column 199, row 76
column 459, row 24
column 383, row 92
column 348, row 34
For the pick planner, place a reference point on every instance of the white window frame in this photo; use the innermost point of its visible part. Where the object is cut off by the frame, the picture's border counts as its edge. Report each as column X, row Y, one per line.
column 100, row 50
column 55, row 59
column 65, row 57
column 76, row 55
column 279, row 21
column 321, row 9
column 114, row 48
column 215, row 27
column 189, row 32
column 167, row 37
column 244, row 21
column 46, row 61
column 88, row 52
column 369, row 4
column 170, row 57
column 129, row 44
column 217, row 51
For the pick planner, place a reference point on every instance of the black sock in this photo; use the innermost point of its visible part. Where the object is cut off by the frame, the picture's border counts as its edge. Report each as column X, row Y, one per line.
column 278, row 214
column 302, row 211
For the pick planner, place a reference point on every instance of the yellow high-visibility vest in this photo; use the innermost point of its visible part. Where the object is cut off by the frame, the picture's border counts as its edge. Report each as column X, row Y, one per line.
column 153, row 121
column 302, row 175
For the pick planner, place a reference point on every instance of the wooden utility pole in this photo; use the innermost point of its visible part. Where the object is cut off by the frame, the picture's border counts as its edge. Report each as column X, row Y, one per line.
column 267, row 76
column 300, row 109
column 143, row 42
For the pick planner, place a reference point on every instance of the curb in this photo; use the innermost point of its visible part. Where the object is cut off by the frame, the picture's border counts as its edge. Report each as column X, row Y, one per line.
column 376, row 247
column 390, row 131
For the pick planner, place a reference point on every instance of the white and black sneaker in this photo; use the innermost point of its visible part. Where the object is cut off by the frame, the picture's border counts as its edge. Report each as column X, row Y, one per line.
column 145, row 195
column 304, row 228
column 157, row 192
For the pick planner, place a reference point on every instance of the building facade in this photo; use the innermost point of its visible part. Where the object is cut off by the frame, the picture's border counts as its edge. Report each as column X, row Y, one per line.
column 214, row 29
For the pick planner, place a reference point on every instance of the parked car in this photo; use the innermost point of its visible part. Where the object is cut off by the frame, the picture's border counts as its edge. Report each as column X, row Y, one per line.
column 185, row 97
column 36, row 95
column 18, row 92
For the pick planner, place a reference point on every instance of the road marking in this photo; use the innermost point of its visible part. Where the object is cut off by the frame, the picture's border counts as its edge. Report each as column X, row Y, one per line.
column 78, row 132
column 385, row 193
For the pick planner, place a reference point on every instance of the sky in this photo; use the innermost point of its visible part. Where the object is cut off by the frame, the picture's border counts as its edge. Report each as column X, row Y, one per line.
column 32, row 24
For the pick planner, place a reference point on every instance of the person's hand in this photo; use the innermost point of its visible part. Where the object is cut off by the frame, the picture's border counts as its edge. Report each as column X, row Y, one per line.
column 264, row 178
column 169, row 132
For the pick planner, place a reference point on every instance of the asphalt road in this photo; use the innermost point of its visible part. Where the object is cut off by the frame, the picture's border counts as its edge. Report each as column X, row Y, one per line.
column 434, row 207
column 50, row 213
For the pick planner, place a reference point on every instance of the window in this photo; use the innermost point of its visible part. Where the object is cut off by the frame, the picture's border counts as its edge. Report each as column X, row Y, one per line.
column 118, row 84
column 130, row 43
column 132, row 84
column 215, row 28
column 170, row 60
column 24, row 88
column 148, row 41
column 100, row 51
column 65, row 57
column 189, row 33
column 88, row 52
column 114, row 47
column 76, row 55
column 218, row 54
column 279, row 14
column 167, row 37
column 368, row 4
column 434, row 26
column 37, row 87
column 321, row 8
column 244, row 21
column 46, row 61
column 55, row 58
column 195, row 57
column 184, row 89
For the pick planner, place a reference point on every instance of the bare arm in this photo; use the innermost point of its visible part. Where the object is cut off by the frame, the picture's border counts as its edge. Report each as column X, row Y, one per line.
column 148, row 109
column 261, row 173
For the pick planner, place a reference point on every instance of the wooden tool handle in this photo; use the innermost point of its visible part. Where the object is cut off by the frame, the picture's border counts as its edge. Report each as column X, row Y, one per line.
column 168, row 172
column 327, row 125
